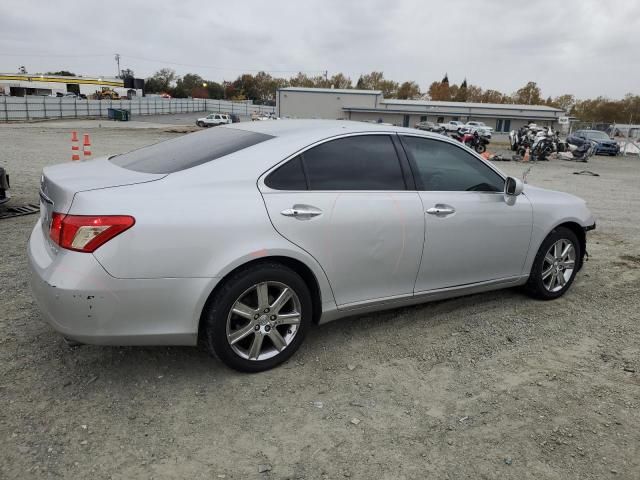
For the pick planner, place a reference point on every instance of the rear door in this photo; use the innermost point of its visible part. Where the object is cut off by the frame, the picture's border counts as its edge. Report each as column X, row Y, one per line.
column 472, row 234
column 346, row 202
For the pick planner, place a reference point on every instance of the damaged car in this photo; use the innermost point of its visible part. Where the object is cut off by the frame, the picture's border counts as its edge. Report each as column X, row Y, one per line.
column 241, row 237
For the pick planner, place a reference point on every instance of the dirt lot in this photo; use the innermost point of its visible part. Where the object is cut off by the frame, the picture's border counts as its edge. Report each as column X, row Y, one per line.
column 491, row 386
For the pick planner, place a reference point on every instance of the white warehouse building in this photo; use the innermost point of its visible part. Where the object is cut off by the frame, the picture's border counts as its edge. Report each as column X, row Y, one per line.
column 370, row 105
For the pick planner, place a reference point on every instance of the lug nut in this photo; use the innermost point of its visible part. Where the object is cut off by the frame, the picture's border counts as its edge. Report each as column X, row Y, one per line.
column 256, row 316
column 256, row 328
column 267, row 328
column 266, row 310
column 273, row 317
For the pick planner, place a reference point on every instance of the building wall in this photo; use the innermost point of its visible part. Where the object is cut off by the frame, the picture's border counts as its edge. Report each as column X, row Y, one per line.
column 304, row 104
column 398, row 118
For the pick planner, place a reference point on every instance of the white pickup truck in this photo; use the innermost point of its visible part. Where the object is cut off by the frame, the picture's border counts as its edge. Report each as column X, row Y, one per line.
column 452, row 126
column 472, row 126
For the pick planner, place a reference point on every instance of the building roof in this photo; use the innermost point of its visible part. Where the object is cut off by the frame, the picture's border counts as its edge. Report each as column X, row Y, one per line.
column 38, row 77
column 433, row 103
column 331, row 90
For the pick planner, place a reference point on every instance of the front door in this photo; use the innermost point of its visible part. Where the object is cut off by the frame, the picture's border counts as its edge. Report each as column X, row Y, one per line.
column 346, row 203
column 472, row 235
column 405, row 121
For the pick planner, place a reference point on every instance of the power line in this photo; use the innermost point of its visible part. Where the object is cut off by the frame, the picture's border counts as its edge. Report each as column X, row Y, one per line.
column 164, row 62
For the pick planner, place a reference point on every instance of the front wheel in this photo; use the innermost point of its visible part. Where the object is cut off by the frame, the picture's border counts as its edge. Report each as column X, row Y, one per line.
column 259, row 318
column 555, row 265
column 200, row 124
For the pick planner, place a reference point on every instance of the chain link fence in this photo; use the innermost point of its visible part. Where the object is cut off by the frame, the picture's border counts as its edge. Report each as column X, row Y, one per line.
column 40, row 108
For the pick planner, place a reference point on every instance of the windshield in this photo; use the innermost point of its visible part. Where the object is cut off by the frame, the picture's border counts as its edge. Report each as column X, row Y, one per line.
column 188, row 150
column 595, row 135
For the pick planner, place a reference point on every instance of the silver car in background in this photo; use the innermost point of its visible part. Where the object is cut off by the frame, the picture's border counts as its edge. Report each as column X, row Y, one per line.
column 243, row 235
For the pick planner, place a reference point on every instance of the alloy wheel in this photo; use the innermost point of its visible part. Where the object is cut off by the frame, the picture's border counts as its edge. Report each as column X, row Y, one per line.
column 263, row 321
column 558, row 265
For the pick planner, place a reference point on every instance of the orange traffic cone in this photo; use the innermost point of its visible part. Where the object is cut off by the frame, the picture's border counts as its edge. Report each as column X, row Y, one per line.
column 75, row 148
column 86, row 145
column 526, row 155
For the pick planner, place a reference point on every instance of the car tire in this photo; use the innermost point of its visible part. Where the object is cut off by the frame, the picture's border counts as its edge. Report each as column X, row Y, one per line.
column 481, row 149
column 261, row 321
column 200, row 124
column 550, row 275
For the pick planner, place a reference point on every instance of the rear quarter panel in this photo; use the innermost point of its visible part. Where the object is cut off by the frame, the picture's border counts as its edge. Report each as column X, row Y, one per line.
column 201, row 222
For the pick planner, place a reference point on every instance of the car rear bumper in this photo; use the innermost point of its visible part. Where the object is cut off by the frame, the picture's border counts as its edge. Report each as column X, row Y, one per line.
column 79, row 299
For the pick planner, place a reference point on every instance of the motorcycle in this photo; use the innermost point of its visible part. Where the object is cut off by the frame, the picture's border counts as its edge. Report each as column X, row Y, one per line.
column 472, row 140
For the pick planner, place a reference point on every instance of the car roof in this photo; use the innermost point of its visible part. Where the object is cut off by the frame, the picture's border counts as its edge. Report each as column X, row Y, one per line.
column 315, row 128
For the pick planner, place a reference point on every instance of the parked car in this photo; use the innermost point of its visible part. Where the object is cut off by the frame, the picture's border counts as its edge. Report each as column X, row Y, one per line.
column 255, row 116
column 429, row 127
column 283, row 224
column 482, row 131
column 474, row 125
column 452, row 126
column 213, row 120
column 234, row 118
column 604, row 144
column 4, row 186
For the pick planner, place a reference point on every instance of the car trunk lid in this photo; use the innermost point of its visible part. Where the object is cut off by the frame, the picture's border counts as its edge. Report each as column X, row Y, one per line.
column 60, row 183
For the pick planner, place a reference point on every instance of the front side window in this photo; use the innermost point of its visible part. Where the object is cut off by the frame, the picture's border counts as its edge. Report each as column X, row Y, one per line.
column 442, row 166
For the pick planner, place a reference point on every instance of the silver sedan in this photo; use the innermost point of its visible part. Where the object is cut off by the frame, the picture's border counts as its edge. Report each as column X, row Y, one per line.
column 242, row 236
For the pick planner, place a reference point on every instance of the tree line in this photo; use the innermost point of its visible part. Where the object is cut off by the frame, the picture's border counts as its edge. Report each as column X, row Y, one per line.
column 261, row 88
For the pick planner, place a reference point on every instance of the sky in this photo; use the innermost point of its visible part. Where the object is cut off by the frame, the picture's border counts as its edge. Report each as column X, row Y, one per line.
column 583, row 47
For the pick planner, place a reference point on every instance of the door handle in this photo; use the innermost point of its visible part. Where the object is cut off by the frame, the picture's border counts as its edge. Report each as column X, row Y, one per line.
column 441, row 210
column 302, row 212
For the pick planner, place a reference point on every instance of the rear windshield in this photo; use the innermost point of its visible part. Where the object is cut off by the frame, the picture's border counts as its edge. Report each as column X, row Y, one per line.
column 189, row 150
column 597, row 135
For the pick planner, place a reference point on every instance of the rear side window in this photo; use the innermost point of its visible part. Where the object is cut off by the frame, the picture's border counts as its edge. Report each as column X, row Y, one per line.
column 289, row 176
column 365, row 162
column 188, row 151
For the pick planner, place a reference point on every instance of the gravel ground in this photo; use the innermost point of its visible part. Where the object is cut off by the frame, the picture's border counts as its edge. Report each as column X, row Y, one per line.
column 490, row 386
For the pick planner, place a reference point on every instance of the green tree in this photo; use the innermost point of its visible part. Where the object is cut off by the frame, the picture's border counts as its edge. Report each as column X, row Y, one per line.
column 530, row 94
column 376, row 81
column 339, row 80
column 185, row 86
column 408, row 91
column 62, row 73
column 161, row 81
column 126, row 73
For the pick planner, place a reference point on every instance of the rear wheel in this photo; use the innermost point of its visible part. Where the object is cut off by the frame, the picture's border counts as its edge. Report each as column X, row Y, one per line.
column 258, row 319
column 555, row 265
column 481, row 148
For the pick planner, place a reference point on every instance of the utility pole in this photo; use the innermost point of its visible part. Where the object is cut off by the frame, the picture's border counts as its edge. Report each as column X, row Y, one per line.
column 118, row 62
column 326, row 75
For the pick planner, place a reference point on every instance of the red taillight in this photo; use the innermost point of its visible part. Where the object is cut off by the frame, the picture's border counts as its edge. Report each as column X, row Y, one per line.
column 85, row 233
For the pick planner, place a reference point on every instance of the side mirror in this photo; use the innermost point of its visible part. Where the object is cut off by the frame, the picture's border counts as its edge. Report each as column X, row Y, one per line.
column 513, row 187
